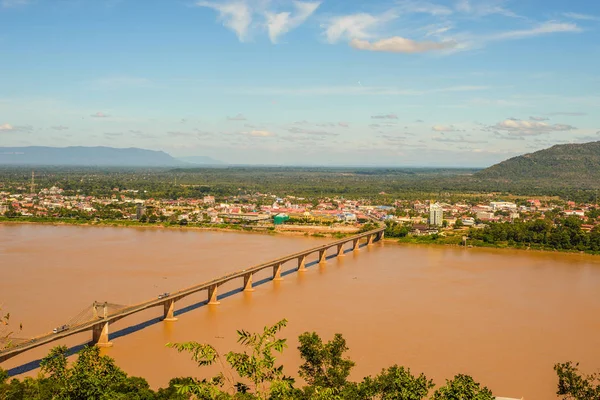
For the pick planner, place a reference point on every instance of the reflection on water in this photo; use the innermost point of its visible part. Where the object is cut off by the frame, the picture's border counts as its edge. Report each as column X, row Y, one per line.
column 504, row 317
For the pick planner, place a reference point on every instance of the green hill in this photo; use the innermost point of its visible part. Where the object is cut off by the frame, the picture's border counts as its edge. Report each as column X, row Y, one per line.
column 565, row 165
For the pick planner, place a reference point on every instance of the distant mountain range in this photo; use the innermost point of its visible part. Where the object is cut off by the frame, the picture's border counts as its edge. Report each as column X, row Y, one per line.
column 95, row 156
column 564, row 165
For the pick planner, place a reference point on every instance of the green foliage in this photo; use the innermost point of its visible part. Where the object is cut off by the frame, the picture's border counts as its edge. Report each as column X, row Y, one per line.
column 396, row 383
column 462, row 387
column 257, row 364
column 557, row 234
column 573, row 386
column 324, row 363
column 396, row 230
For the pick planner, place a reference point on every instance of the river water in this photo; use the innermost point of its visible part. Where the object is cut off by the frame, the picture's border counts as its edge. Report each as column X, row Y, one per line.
column 504, row 317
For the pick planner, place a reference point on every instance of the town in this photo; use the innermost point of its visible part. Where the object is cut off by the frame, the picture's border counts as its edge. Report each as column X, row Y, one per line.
column 262, row 211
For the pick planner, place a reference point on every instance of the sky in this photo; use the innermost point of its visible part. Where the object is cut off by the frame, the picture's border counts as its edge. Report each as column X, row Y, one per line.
column 332, row 82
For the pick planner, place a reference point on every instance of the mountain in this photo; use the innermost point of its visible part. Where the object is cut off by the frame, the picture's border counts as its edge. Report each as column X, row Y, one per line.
column 564, row 165
column 203, row 160
column 86, row 156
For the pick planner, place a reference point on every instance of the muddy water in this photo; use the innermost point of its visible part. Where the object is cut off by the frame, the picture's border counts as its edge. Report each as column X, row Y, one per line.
column 505, row 317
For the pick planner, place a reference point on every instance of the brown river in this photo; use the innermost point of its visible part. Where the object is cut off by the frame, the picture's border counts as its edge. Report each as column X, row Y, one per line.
column 504, row 317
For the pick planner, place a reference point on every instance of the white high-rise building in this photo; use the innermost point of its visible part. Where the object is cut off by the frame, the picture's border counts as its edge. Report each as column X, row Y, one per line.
column 436, row 214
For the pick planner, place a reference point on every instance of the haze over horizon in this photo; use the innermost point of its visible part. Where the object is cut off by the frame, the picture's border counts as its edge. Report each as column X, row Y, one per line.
column 407, row 83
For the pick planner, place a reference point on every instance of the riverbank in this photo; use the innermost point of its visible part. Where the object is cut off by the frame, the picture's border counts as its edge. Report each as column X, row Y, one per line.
column 309, row 231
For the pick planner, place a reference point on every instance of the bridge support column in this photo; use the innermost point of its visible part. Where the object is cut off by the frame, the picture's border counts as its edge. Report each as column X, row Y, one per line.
column 381, row 235
column 277, row 272
column 355, row 245
column 370, row 239
column 212, row 295
column 169, row 313
column 302, row 263
column 100, row 335
column 248, row 283
column 340, row 250
column 322, row 256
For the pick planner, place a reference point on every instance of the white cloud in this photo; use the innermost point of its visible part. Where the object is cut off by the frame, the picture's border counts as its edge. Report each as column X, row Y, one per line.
column 99, row 114
column 423, row 7
column 281, row 23
column 343, row 124
column 542, row 29
column 583, row 17
column 14, row 3
column 355, row 26
column 530, row 128
column 444, row 128
column 481, row 8
column 401, row 45
column 8, row 128
column 539, row 118
column 235, row 15
column 311, row 132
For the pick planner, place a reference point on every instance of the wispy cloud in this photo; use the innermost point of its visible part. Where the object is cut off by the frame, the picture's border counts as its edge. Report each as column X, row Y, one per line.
column 283, row 22
column 583, row 17
column 482, row 8
column 99, row 114
column 542, row 29
column 239, row 16
column 539, row 118
column 401, row 45
column 516, row 127
column 423, row 7
column 13, row 3
column 259, row 133
column 60, row 128
column 8, row 128
column 356, row 26
column 235, row 15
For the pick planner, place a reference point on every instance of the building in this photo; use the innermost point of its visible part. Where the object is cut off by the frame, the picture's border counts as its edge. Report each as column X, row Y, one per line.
column 209, row 199
column 436, row 214
column 140, row 211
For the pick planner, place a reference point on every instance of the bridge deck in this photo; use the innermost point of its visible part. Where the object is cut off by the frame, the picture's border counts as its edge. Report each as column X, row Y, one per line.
column 174, row 296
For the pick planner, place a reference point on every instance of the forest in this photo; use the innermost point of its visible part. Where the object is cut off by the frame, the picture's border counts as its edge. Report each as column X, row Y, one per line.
column 382, row 185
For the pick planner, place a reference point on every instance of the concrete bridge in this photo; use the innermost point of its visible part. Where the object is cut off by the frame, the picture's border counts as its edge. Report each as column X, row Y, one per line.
column 101, row 315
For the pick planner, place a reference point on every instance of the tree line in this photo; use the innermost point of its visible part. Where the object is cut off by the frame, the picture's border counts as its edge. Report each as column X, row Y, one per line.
column 254, row 374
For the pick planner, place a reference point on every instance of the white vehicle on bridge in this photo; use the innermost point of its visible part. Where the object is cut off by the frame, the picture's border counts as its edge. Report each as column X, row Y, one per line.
column 164, row 295
column 61, row 328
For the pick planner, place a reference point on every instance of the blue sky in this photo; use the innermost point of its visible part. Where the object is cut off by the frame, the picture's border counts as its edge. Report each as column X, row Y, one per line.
column 332, row 82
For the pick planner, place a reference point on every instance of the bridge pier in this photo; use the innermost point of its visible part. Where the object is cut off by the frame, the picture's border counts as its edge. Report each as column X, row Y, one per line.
column 277, row 272
column 212, row 295
column 380, row 235
column 100, row 335
column 322, row 256
column 340, row 250
column 355, row 245
column 248, row 283
column 370, row 240
column 169, row 312
column 302, row 263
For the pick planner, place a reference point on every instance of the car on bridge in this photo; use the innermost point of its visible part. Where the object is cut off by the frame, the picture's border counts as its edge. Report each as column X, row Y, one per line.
column 164, row 295
column 61, row 328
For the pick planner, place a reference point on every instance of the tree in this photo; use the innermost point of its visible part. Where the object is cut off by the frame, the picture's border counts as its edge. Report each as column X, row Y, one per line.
column 324, row 363
column 458, row 224
column 396, row 383
column 462, row 387
column 257, row 365
column 573, row 386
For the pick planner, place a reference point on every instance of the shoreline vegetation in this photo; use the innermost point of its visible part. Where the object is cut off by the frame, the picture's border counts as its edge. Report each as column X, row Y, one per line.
column 253, row 373
column 455, row 239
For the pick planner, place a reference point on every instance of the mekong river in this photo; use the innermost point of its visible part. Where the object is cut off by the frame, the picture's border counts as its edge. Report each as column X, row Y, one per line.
column 504, row 317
